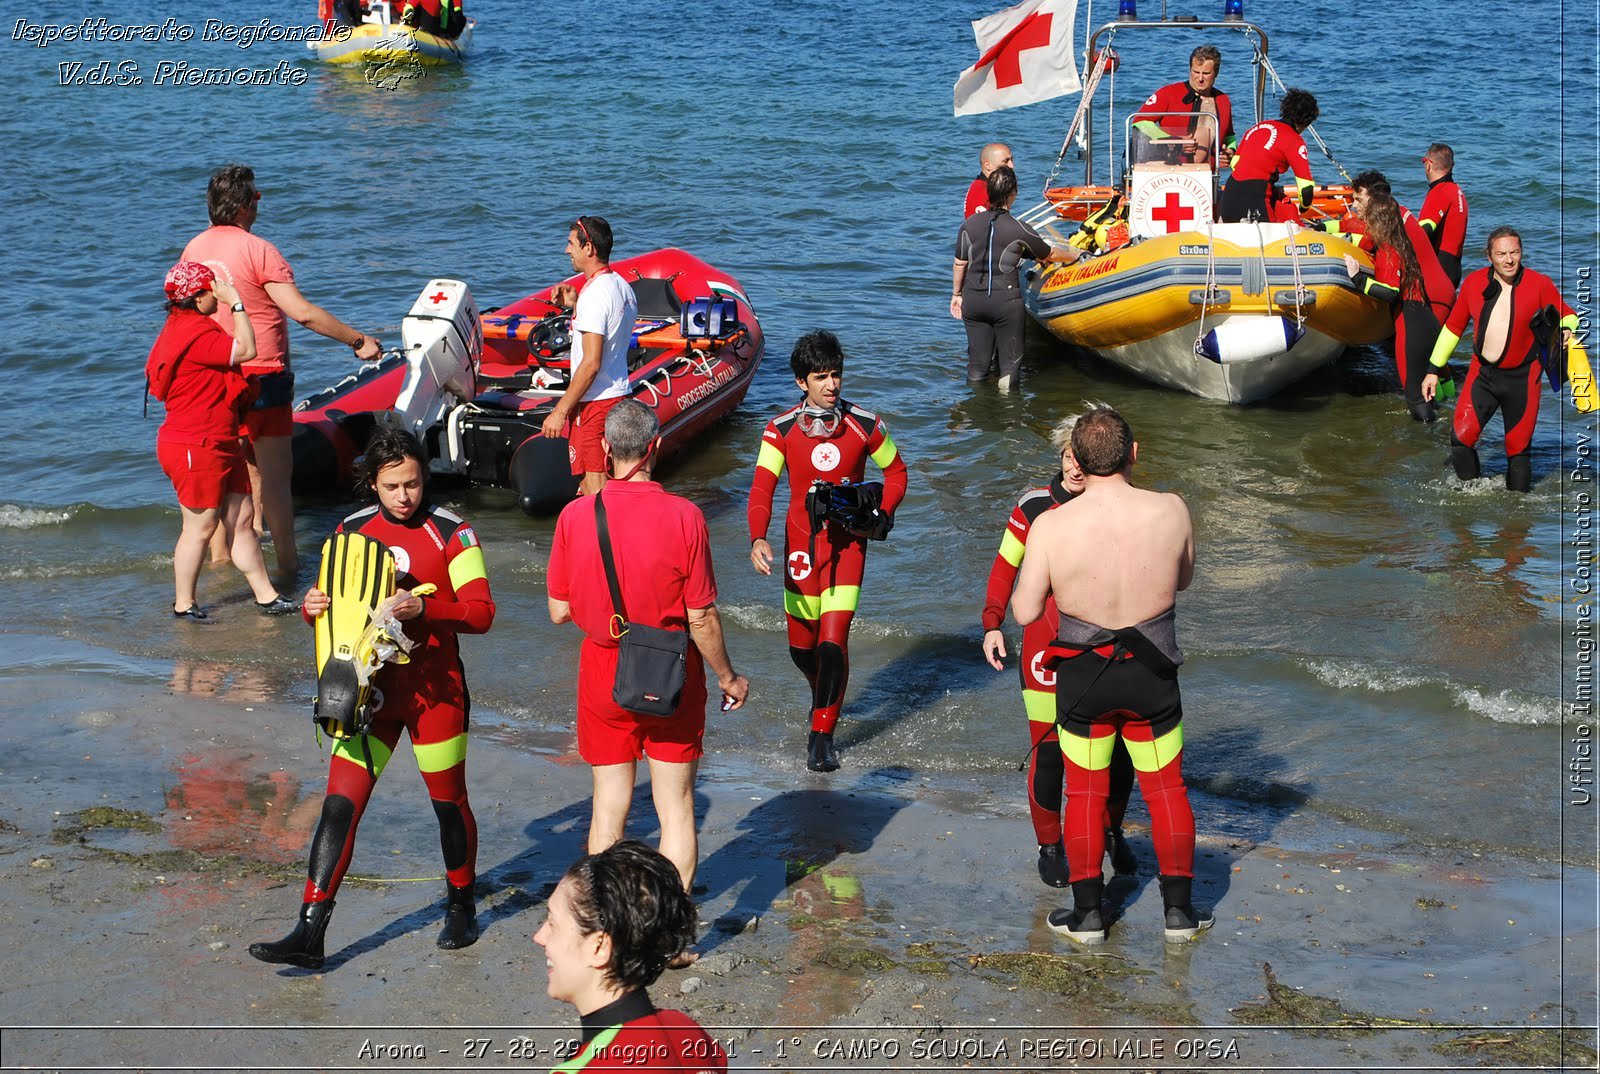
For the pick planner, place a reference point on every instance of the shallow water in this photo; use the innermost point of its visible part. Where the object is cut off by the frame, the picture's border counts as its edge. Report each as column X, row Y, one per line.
column 1366, row 637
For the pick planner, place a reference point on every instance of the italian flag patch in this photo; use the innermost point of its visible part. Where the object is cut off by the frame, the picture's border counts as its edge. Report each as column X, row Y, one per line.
column 467, row 537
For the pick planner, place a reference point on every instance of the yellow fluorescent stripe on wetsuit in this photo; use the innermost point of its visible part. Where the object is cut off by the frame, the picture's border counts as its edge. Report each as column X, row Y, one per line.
column 1308, row 191
column 467, row 567
column 594, row 1049
column 1041, row 706
column 1011, row 549
column 440, row 756
column 351, row 750
column 770, row 458
column 1570, row 323
column 1091, row 753
column 1442, row 348
column 1154, row 756
column 839, row 598
column 884, row 455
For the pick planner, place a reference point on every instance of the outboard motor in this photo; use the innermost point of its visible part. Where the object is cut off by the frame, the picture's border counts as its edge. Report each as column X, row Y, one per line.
column 443, row 343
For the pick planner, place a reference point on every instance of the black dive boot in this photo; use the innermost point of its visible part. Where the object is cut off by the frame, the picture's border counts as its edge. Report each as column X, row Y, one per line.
column 1085, row 922
column 1053, row 864
column 1184, row 922
column 460, row 920
column 303, row 946
column 820, row 754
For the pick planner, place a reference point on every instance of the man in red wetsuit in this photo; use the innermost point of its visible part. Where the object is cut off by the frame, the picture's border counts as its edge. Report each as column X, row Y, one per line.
column 1514, row 309
column 1045, row 772
column 1444, row 210
column 1440, row 292
column 1113, row 560
column 615, row 922
column 1194, row 111
column 662, row 554
column 425, row 698
column 1266, row 151
column 994, row 155
column 821, row 438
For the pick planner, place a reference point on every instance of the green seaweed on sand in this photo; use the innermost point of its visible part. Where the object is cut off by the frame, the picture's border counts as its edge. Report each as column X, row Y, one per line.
column 97, row 817
column 1317, row 1015
column 853, row 957
column 1077, row 978
column 1539, row 1049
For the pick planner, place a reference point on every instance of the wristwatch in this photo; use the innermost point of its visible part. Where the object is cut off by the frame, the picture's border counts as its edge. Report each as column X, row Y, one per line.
column 238, row 307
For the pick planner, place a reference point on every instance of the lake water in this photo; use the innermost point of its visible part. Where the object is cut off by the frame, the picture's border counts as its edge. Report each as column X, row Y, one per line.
column 1366, row 636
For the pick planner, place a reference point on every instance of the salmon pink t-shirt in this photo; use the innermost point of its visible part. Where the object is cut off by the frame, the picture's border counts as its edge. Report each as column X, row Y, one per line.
column 249, row 263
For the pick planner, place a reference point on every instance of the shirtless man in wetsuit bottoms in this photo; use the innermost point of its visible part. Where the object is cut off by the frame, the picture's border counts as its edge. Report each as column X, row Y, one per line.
column 1116, row 554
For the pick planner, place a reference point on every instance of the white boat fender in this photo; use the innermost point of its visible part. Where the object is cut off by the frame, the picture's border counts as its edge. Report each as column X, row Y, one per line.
column 1248, row 339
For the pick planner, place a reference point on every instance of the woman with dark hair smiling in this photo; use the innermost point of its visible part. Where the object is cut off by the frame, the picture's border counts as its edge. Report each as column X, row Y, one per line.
column 616, row 921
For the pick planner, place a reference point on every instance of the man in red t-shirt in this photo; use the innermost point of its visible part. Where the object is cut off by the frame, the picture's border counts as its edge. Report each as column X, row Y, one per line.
column 663, row 561
column 993, row 155
column 265, row 283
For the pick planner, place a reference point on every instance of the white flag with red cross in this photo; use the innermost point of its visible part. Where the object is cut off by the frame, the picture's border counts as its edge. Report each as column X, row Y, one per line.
column 1025, row 54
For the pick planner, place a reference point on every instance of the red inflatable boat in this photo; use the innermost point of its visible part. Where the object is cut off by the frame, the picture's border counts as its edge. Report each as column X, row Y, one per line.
column 476, row 388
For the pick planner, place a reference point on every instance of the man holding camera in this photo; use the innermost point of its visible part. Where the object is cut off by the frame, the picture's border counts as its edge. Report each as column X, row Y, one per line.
column 825, row 442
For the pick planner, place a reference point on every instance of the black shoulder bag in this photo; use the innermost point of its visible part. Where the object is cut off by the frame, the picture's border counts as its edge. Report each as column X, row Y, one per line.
column 650, row 660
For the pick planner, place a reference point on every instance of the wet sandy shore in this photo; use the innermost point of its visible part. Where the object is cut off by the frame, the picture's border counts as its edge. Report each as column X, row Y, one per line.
column 864, row 920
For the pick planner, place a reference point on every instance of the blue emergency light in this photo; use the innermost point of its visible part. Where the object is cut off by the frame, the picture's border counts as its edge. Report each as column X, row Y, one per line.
column 1232, row 10
column 1127, row 11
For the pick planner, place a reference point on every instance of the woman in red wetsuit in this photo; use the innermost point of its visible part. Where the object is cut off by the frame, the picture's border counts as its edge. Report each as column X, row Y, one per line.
column 1046, row 769
column 1398, row 279
column 425, row 699
column 193, row 369
column 615, row 922
column 1266, row 151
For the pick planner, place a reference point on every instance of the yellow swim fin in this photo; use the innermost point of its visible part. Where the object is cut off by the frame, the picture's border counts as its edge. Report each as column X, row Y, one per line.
column 357, row 573
column 1581, row 376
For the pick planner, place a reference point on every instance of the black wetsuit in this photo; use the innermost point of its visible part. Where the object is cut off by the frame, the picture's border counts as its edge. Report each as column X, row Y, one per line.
column 1122, row 684
column 994, row 244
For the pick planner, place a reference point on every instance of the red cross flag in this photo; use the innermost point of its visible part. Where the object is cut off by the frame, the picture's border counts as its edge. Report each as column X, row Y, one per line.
column 1025, row 54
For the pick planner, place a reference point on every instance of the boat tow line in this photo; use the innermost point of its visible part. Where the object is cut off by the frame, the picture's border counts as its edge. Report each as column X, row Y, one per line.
column 1103, row 59
column 1211, row 289
column 1266, row 65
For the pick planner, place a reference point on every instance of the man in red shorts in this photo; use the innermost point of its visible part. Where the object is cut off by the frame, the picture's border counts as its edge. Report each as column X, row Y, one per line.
column 266, row 286
column 603, row 314
column 663, row 561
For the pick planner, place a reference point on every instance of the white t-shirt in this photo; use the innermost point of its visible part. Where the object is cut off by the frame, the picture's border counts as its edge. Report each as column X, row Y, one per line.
column 607, row 307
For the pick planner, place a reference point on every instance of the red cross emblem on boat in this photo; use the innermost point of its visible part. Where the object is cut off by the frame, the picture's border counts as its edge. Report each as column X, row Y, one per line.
column 1175, row 213
column 438, row 298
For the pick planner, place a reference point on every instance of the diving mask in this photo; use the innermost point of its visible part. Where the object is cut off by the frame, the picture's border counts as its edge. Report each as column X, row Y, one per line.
column 819, row 422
